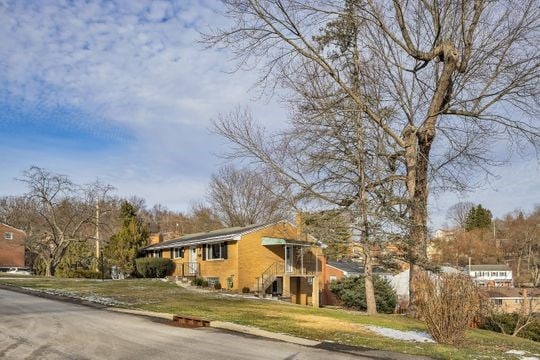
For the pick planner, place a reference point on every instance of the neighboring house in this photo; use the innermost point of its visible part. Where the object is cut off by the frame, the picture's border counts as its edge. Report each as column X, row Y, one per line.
column 497, row 275
column 433, row 250
column 511, row 300
column 270, row 259
column 337, row 270
column 446, row 235
column 12, row 243
column 400, row 283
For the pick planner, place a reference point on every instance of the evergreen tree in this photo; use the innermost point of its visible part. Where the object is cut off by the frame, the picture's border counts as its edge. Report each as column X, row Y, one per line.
column 353, row 293
column 124, row 246
column 478, row 218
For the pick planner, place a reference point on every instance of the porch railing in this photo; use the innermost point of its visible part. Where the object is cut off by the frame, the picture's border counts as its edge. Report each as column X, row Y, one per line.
column 305, row 267
column 191, row 269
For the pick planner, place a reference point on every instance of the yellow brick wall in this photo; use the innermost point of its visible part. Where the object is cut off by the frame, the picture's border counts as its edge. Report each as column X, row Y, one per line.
column 222, row 268
column 256, row 258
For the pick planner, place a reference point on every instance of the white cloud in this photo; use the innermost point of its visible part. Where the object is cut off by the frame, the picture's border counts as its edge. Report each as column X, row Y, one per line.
column 132, row 67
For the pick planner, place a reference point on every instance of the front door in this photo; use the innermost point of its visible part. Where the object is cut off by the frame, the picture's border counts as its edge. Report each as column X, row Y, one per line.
column 289, row 255
column 192, row 265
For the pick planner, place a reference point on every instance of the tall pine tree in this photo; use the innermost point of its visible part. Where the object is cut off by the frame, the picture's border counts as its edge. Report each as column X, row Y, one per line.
column 125, row 244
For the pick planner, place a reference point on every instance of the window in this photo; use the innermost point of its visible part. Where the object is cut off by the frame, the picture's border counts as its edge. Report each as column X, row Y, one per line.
column 212, row 281
column 333, row 278
column 178, row 253
column 493, row 273
column 502, row 274
column 216, row 251
column 157, row 253
column 497, row 301
column 8, row 235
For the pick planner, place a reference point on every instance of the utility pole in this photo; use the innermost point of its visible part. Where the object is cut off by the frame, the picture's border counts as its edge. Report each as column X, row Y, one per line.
column 98, row 243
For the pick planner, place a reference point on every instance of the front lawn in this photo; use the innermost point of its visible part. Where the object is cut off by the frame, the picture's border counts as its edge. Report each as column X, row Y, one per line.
column 346, row 327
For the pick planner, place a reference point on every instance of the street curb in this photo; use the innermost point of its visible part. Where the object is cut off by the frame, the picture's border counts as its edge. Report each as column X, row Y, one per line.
column 164, row 316
column 263, row 333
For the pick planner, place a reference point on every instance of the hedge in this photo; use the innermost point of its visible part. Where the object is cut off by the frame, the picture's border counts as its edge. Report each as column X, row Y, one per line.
column 154, row 267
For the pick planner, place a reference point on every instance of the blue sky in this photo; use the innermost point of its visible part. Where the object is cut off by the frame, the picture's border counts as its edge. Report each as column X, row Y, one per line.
column 122, row 91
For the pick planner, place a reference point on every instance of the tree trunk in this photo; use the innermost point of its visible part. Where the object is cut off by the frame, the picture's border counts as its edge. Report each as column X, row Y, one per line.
column 417, row 159
column 49, row 268
column 368, row 283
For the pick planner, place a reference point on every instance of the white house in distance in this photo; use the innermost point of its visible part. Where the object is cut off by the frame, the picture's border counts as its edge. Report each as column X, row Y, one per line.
column 497, row 275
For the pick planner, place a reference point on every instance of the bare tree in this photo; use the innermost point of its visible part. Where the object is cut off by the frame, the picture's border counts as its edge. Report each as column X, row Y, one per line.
column 244, row 196
column 458, row 213
column 64, row 213
column 321, row 169
column 455, row 77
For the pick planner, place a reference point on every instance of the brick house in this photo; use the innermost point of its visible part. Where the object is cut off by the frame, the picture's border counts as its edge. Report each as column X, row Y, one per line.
column 511, row 300
column 12, row 245
column 274, row 259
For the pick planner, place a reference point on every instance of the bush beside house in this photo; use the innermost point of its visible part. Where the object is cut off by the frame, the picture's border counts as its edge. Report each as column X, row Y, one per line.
column 154, row 267
column 352, row 293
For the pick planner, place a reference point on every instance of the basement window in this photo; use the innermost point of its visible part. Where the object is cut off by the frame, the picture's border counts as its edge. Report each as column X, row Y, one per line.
column 8, row 235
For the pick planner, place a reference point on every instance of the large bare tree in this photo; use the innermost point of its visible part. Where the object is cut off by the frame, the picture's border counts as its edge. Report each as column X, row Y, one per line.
column 244, row 196
column 458, row 213
column 455, row 77
column 62, row 214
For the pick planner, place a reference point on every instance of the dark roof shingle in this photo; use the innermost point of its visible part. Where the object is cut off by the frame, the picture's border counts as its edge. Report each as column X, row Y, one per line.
column 204, row 237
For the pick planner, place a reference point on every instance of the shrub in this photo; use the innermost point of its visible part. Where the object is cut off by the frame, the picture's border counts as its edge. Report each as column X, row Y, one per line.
column 245, row 290
column 204, row 283
column 197, row 282
column 352, row 292
column 80, row 274
column 448, row 303
column 217, row 286
column 154, row 267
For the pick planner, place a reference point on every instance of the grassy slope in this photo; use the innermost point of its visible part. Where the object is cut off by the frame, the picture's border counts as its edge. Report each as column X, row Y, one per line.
column 320, row 324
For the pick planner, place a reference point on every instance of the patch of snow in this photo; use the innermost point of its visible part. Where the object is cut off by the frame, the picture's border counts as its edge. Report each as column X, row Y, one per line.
column 418, row 336
column 92, row 298
column 516, row 352
column 240, row 296
column 520, row 353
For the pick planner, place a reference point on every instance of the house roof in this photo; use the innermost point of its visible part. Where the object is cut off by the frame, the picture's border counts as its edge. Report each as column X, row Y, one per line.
column 347, row 266
column 507, row 292
column 12, row 227
column 268, row 241
column 208, row 237
column 352, row 267
column 494, row 267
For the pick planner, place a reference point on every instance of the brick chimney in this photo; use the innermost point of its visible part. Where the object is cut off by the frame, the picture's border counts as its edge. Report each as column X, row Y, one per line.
column 155, row 239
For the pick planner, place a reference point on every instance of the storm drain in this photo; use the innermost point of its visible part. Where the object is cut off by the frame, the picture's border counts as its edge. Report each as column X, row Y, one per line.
column 190, row 321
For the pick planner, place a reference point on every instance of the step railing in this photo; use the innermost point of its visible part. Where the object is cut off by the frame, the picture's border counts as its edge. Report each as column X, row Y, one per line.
column 269, row 276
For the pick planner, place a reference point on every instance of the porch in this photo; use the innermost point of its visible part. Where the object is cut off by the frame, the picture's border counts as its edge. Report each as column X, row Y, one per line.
column 296, row 276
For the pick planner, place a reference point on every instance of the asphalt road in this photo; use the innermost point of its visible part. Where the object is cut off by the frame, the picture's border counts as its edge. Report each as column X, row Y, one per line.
column 36, row 328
